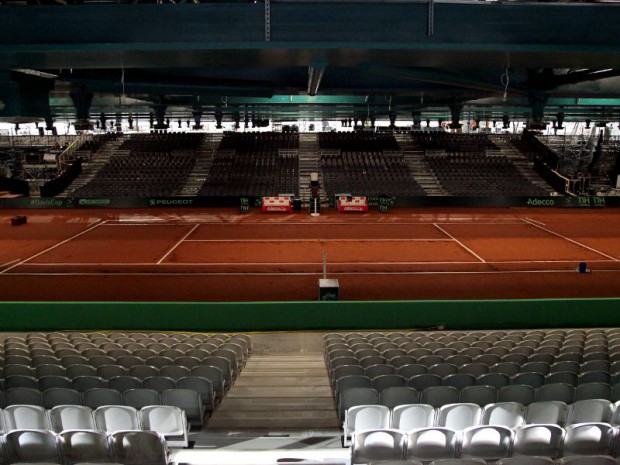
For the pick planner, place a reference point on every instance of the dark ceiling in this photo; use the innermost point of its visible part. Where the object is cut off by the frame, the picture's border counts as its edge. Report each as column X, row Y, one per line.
column 311, row 60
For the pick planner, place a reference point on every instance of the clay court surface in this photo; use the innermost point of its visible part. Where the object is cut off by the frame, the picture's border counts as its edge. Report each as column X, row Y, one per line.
column 219, row 255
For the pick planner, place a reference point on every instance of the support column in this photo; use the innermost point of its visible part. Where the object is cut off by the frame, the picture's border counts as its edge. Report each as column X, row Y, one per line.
column 416, row 115
column 455, row 113
column 82, row 100
column 505, row 122
column 537, row 100
column 160, row 116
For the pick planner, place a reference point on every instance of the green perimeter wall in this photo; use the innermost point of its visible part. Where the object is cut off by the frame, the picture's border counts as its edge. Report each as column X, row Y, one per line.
column 291, row 316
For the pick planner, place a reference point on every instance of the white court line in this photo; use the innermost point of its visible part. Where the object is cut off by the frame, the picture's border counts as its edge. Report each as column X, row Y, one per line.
column 238, row 241
column 178, row 243
column 147, row 224
column 422, row 221
column 534, row 221
column 10, row 263
column 95, row 224
column 571, row 240
column 459, row 243
column 508, row 262
column 305, row 273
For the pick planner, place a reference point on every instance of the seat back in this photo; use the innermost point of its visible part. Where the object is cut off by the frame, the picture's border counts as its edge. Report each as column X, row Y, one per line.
column 378, row 445
column 64, row 417
column 409, row 417
column 84, row 447
column 112, row 418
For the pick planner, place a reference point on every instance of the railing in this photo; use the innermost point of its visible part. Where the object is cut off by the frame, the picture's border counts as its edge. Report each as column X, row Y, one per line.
column 34, row 140
column 71, row 149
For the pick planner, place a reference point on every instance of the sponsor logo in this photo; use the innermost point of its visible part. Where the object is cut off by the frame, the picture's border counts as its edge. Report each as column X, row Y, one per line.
column 540, row 202
column 93, row 202
column 155, row 202
column 353, row 208
column 46, row 203
column 277, row 208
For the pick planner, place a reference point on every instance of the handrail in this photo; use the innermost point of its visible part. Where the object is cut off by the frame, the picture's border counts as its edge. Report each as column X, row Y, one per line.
column 72, row 148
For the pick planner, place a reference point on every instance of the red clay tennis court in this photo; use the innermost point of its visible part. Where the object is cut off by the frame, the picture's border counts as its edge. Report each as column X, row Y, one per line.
column 218, row 255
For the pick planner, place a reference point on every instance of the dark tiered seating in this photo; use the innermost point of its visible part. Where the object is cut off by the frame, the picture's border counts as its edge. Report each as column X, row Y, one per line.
column 357, row 141
column 97, row 142
column 166, row 143
column 365, row 164
column 478, row 174
column 158, row 165
column 254, row 164
column 453, row 142
column 140, row 174
column 463, row 165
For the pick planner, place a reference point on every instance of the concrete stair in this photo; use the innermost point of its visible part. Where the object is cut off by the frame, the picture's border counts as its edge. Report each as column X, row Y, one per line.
column 204, row 160
column 99, row 160
column 309, row 154
column 422, row 173
column 522, row 163
column 278, row 391
column 420, row 169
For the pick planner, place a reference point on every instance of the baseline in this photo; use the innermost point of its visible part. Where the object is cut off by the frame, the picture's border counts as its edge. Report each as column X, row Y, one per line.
column 307, row 273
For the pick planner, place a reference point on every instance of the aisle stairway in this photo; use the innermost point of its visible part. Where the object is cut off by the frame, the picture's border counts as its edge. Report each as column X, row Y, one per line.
column 420, row 169
column 520, row 162
column 204, row 159
column 98, row 161
column 309, row 153
column 278, row 392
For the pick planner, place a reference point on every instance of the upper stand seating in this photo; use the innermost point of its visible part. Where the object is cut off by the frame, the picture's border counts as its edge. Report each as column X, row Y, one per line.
column 158, row 165
column 254, row 164
column 463, row 167
column 365, row 164
column 479, row 174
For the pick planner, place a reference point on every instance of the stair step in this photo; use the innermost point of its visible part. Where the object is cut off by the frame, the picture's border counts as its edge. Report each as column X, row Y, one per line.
column 274, row 423
column 274, row 415
column 281, row 381
column 305, row 403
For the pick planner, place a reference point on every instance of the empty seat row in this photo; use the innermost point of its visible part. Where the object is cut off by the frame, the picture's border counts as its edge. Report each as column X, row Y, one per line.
column 380, row 379
column 486, row 442
column 140, row 337
column 542, row 360
column 479, row 395
column 532, row 460
column 188, row 400
column 59, row 346
column 204, row 385
column 207, row 380
column 128, row 447
column 167, row 420
column 594, row 371
column 482, row 352
column 592, row 336
column 463, row 415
